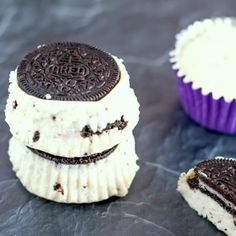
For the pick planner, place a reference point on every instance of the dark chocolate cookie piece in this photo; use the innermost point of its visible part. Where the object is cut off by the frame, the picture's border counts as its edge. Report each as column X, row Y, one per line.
column 119, row 124
column 69, row 72
column 219, row 175
column 75, row 160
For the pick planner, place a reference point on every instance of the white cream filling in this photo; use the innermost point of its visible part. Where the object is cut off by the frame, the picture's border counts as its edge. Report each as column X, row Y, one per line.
column 203, row 186
column 205, row 54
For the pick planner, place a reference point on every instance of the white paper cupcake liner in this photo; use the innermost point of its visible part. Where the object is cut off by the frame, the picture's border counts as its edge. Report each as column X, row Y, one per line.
column 83, row 183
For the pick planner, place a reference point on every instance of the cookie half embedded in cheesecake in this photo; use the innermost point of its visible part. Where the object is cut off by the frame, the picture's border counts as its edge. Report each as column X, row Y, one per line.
column 75, row 160
column 210, row 189
column 71, row 99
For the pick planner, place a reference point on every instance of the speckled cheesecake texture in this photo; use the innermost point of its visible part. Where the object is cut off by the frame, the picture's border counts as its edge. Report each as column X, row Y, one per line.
column 75, row 183
column 210, row 189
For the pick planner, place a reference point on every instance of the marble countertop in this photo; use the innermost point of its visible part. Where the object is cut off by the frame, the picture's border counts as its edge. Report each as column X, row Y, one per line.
column 168, row 142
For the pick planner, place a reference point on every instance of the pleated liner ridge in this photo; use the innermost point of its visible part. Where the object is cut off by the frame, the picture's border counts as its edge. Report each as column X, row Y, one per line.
column 92, row 182
column 213, row 114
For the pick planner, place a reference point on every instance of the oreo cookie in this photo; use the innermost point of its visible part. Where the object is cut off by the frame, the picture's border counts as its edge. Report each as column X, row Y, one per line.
column 218, row 175
column 75, row 160
column 68, row 72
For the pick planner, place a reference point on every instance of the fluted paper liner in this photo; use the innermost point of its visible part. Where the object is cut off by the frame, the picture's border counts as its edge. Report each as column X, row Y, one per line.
column 83, row 183
column 207, row 108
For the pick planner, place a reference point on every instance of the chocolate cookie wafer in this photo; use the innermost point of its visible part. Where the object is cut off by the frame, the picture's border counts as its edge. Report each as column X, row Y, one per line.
column 71, row 99
column 210, row 189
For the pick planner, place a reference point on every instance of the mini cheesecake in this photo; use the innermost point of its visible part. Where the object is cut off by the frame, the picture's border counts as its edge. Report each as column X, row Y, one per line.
column 71, row 99
column 204, row 61
column 75, row 180
column 210, row 189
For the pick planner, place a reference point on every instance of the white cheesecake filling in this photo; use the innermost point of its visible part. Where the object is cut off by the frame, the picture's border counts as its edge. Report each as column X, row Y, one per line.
column 60, row 122
column 79, row 183
column 205, row 54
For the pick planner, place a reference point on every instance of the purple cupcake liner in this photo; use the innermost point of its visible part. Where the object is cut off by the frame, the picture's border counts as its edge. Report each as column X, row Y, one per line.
column 217, row 115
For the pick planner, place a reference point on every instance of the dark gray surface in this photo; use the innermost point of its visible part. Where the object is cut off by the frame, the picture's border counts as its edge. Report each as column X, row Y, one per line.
column 141, row 32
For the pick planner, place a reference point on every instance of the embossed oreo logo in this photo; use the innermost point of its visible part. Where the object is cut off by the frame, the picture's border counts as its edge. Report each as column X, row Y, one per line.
column 79, row 70
column 68, row 71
